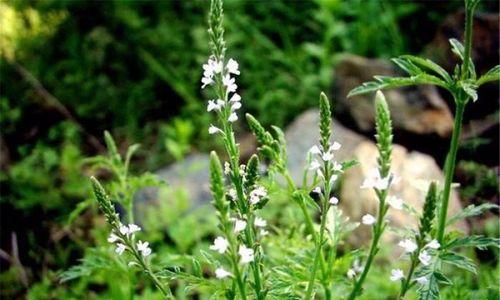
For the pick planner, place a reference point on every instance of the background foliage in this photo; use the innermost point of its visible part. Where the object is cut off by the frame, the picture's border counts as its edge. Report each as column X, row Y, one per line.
column 71, row 69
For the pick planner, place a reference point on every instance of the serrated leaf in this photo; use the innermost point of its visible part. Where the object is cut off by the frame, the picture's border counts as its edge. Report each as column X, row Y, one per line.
column 430, row 290
column 441, row 278
column 459, row 261
column 386, row 82
column 480, row 242
column 470, row 90
column 470, row 211
column 407, row 66
column 459, row 50
column 491, row 75
column 428, row 65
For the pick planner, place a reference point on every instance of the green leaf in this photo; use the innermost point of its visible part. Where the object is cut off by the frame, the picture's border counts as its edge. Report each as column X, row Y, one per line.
column 428, row 65
column 471, row 211
column 408, row 66
column 459, row 50
column 469, row 89
column 480, row 242
column 386, row 82
column 491, row 75
column 459, row 261
column 430, row 290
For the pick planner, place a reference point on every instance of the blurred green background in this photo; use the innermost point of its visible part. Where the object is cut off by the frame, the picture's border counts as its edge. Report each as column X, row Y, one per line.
column 71, row 69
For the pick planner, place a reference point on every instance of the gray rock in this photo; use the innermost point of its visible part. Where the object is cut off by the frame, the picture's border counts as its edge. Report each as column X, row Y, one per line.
column 419, row 110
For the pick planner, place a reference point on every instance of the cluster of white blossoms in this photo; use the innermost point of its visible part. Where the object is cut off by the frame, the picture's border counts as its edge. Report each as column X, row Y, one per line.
column 127, row 232
column 257, row 194
column 375, row 181
column 325, row 156
column 211, row 70
column 354, row 270
column 424, row 257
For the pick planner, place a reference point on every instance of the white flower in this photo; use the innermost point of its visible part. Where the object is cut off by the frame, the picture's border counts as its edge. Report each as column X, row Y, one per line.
column 144, row 248
column 335, row 146
column 424, row 258
column 235, row 106
column 408, row 245
column 228, row 82
column 264, row 232
column 235, row 98
column 395, row 202
column 327, row 156
column 213, row 130
column 221, row 273
column 112, row 238
column 227, row 168
column 232, row 118
column 217, row 66
column 397, row 274
column 239, row 225
column 434, row 244
column 317, row 190
column 220, row 245
column 232, row 193
column 259, row 222
column 314, row 165
column 351, row 274
column 373, row 180
column 421, row 280
column 246, row 254
column 206, row 81
column 368, row 219
column 232, row 67
column 124, row 229
column 334, row 200
column 337, row 167
column 315, row 150
column 133, row 228
column 120, row 248
column 213, row 105
column 256, row 194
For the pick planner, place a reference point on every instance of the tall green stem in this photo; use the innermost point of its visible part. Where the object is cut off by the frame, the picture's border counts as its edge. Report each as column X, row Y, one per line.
column 450, row 168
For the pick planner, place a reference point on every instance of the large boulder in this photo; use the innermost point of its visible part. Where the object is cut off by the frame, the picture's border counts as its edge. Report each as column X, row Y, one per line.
column 419, row 110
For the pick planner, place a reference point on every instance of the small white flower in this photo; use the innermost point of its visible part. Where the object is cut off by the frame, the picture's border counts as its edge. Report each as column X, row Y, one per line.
column 434, row 244
column 228, row 82
column 334, row 200
column 408, row 245
column 421, row 280
column 213, row 105
column 227, row 168
column 232, row 67
column 397, row 274
column 213, row 130
column 217, row 66
column 120, row 248
column 395, row 202
column 368, row 219
column 232, row 193
column 314, row 165
column 124, row 229
column 373, row 180
column 220, row 245
column 317, row 190
column 259, row 222
column 256, row 194
column 239, row 225
column 113, row 238
column 206, row 81
column 233, row 117
column 335, row 146
column 337, row 167
column 351, row 274
column 315, row 150
column 424, row 258
column 235, row 98
column 246, row 254
column 235, row 106
column 264, row 232
column 144, row 248
column 220, row 273
column 133, row 228
column 327, row 156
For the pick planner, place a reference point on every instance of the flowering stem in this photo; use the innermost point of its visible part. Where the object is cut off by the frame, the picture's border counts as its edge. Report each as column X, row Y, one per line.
column 407, row 280
column 450, row 169
column 378, row 229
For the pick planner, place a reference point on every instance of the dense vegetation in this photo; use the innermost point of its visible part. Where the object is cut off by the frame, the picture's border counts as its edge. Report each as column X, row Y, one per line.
column 70, row 70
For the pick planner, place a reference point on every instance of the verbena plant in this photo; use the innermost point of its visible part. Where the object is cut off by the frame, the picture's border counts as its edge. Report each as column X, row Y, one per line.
column 249, row 259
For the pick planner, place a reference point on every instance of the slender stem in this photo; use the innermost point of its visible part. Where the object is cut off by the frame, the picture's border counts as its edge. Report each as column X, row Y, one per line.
column 378, row 229
column 450, row 168
column 319, row 245
column 469, row 11
column 406, row 284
